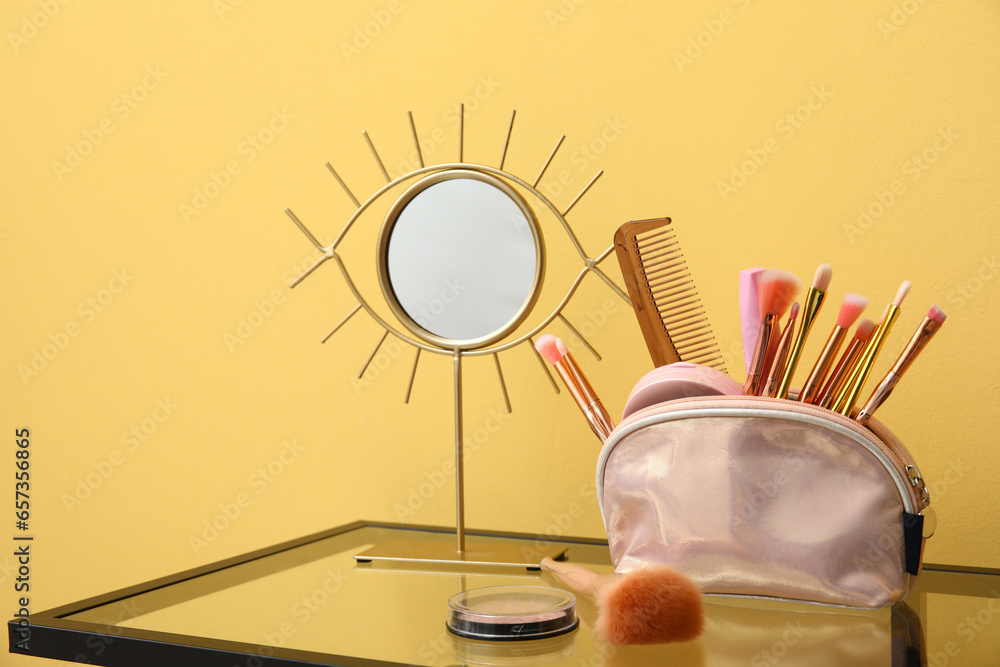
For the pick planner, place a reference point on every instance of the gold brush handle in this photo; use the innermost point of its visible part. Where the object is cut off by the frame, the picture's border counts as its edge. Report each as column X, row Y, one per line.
column 849, row 394
column 814, row 301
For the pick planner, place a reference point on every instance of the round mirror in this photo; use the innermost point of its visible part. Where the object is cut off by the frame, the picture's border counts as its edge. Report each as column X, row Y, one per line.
column 460, row 258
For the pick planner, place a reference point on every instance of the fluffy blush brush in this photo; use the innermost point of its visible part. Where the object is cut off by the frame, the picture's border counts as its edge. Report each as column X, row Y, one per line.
column 654, row 605
column 777, row 290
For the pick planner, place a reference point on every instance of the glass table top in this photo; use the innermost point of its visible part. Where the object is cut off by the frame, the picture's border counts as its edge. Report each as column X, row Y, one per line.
column 310, row 602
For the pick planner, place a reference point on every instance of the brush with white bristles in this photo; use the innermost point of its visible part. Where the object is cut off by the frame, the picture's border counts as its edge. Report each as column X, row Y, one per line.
column 653, row 605
column 813, row 303
column 849, row 394
column 850, row 310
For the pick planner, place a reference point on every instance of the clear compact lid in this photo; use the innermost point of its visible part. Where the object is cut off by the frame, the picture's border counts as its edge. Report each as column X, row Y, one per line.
column 512, row 613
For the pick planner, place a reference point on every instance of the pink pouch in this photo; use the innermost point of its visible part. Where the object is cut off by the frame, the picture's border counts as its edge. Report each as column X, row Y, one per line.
column 764, row 497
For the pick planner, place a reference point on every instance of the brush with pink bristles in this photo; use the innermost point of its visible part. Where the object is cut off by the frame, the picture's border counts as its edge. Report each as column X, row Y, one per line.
column 653, row 605
column 777, row 290
column 850, row 310
column 862, row 334
column 932, row 322
column 554, row 350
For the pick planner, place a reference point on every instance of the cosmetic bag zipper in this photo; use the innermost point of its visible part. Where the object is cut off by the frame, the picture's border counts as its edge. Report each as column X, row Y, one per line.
column 875, row 436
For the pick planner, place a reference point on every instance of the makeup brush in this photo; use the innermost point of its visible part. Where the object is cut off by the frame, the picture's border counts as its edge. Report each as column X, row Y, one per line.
column 932, row 322
column 849, row 394
column 781, row 356
column 554, row 350
column 843, row 368
column 813, row 303
column 653, row 605
column 777, row 290
column 749, row 312
column 850, row 310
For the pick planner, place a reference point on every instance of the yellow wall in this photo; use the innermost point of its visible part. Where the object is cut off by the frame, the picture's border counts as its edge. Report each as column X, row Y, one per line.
column 137, row 300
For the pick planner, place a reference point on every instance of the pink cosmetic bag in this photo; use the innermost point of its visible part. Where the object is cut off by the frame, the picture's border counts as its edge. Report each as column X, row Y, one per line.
column 764, row 497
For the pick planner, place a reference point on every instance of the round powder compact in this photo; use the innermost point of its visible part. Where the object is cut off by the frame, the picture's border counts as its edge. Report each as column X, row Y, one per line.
column 512, row 613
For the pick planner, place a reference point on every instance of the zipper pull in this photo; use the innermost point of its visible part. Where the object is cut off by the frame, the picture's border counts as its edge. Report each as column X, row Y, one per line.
column 930, row 516
column 918, row 483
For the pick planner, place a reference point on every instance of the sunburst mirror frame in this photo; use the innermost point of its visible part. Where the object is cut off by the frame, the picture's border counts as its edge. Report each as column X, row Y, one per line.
column 441, row 552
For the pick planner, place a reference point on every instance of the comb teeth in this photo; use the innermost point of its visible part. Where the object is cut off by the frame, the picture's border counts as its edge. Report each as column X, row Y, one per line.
column 666, row 301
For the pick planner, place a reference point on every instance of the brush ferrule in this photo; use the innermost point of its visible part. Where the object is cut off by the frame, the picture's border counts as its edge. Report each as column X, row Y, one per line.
column 920, row 339
column 563, row 368
column 778, row 365
column 815, row 380
column 839, row 374
column 878, row 397
column 599, row 419
column 585, row 396
column 587, row 393
column 754, row 380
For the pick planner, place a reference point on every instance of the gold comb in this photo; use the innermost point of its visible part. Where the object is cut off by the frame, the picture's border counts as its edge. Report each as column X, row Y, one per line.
column 668, row 308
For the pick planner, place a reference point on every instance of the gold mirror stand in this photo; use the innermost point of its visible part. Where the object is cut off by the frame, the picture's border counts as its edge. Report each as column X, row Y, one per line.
column 461, row 552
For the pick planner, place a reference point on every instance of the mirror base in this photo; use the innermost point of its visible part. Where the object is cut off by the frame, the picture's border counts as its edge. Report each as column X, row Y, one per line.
column 503, row 555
